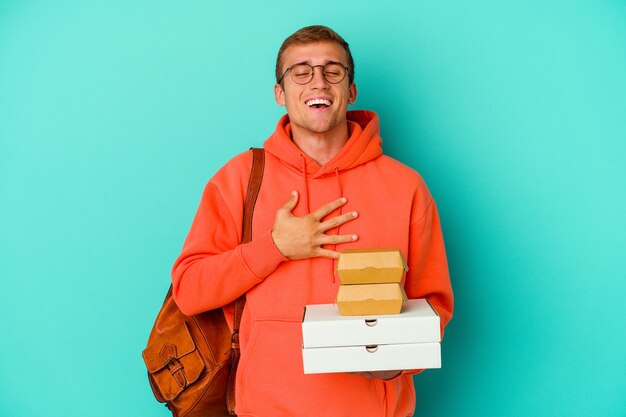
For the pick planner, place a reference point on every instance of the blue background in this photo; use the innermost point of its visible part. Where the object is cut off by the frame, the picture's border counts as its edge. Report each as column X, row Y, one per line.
column 113, row 115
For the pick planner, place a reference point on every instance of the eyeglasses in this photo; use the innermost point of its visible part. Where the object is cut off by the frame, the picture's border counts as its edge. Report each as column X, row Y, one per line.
column 302, row 74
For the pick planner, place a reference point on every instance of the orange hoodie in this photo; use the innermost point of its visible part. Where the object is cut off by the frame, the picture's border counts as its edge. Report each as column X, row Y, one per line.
column 395, row 210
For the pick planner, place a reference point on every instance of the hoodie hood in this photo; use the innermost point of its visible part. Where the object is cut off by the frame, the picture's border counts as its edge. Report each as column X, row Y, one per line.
column 363, row 146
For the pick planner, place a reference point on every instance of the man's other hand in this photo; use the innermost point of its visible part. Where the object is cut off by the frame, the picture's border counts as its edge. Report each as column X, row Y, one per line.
column 378, row 374
column 303, row 237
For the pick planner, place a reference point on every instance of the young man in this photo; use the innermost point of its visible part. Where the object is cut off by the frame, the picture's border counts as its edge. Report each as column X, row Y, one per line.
column 327, row 187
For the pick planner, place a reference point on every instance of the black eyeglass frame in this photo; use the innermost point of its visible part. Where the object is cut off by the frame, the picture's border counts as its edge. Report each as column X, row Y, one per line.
column 313, row 72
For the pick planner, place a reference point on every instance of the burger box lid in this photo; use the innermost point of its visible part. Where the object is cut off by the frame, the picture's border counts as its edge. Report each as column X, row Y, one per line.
column 371, row 266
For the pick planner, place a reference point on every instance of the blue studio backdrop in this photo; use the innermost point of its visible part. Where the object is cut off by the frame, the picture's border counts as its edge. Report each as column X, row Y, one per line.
column 114, row 114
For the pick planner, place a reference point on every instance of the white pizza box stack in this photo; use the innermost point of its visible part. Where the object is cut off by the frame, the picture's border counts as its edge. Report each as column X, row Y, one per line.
column 371, row 282
column 336, row 343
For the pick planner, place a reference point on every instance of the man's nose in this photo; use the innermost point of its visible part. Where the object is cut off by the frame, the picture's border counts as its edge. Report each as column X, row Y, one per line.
column 318, row 80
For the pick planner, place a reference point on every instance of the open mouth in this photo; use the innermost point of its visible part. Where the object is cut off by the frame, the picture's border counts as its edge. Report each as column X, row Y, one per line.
column 318, row 103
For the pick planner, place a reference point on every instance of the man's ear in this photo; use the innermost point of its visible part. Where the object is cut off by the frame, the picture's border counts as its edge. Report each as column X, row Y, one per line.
column 279, row 94
column 352, row 93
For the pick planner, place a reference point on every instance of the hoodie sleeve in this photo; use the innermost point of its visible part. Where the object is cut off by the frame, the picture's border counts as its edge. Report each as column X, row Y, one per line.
column 428, row 275
column 213, row 268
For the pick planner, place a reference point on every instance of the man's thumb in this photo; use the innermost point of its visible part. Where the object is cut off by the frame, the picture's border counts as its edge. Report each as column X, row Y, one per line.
column 292, row 202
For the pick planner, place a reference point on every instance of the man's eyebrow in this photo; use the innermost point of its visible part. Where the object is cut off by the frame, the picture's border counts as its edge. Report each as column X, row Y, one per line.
column 308, row 62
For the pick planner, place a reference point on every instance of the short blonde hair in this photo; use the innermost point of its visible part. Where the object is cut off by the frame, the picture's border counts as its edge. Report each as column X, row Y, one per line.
column 311, row 34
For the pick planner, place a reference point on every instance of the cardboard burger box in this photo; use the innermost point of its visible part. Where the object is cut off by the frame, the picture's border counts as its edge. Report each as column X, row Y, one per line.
column 368, row 299
column 371, row 266
column 371, row 282
column 336, row 343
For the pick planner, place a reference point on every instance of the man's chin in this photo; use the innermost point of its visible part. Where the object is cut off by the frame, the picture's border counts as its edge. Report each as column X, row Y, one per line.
column 318, row 128
column 322, row 126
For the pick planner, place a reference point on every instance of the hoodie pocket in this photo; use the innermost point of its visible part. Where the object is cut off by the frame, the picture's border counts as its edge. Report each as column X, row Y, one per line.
column 272, row 379
column 271, row 354
column 266, row 366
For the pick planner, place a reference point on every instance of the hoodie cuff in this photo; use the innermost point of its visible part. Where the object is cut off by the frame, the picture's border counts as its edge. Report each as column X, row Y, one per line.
column 261, row 256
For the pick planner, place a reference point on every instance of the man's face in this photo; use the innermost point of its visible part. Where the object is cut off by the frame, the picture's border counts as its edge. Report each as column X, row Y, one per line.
column 303, row 114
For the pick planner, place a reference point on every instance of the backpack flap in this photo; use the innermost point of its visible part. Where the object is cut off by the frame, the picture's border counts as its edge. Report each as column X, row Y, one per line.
column 173, row 362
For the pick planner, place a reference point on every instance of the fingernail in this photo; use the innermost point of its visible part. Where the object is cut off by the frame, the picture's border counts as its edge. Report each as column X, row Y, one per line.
column 294, row 193
column 354, row 237
column 343, row 199
column 355, row 214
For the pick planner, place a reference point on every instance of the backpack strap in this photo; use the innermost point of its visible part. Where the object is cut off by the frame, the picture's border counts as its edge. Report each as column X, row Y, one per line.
column 254, row 185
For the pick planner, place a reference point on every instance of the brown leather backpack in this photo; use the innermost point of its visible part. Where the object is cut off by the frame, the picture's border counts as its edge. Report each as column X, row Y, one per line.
column 192, row 360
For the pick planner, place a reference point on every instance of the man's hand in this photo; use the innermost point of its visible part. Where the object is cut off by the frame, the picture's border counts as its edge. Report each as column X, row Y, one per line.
column 303, row 237
column 379, row 374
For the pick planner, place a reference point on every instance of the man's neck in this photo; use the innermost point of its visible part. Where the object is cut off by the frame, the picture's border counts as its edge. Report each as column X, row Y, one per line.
column 321, row 147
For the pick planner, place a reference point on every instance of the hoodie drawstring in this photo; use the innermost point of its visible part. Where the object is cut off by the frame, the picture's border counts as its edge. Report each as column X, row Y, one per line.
column 306, row 184
column 340, row 191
